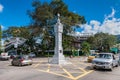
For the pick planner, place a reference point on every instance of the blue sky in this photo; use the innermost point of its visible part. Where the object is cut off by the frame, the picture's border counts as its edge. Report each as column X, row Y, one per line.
column 14, row 12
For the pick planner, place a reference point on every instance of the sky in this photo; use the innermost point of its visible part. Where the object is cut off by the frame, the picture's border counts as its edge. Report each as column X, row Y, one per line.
column 101, row 15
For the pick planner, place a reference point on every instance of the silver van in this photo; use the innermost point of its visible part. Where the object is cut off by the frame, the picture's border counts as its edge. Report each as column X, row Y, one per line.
column 105, row 61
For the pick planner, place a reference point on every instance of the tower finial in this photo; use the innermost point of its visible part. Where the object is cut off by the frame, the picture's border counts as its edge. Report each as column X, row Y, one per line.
column 58, row 15
column 58, row 20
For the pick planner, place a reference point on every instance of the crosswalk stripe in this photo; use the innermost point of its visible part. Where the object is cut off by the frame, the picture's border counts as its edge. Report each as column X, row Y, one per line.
column 48, row 68
column 36, row 65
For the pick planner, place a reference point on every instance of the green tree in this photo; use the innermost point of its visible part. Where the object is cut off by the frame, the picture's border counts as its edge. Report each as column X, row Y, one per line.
column 91, row 41
column 102, row 41
column 15, row 31
column 67, row 41
column 44, row 18
column 23, row 32
column 85, row 48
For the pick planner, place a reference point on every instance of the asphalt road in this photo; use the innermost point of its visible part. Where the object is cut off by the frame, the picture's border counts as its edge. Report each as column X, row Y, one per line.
column 41, row 70
column 103, row 75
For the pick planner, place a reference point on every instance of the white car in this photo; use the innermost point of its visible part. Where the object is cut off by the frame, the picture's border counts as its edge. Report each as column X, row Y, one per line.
column 4, row 56
column 105, row 61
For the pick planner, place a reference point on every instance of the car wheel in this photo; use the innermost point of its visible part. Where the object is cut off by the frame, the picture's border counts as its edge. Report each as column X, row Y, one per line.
column 117, row 64
column 19, row 64
column 31, row 64
column 12, row 63
column 94, row 68
column 111, row 67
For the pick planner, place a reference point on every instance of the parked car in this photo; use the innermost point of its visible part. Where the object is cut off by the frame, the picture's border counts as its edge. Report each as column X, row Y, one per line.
column 91, row 57
column 21, row 60
column 105, row 61
column 4, row 56
column 32, row 55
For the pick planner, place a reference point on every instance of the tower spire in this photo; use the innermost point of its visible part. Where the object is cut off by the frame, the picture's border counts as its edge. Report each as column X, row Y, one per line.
column 58, row 18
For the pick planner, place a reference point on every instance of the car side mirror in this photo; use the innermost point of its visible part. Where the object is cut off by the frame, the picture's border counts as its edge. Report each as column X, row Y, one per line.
column 113, row 58
column 95, row 56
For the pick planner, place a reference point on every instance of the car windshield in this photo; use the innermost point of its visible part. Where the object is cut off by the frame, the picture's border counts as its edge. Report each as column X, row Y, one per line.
column 93, row 54
column 26, row 57
column 106, row 56
column 23, row 57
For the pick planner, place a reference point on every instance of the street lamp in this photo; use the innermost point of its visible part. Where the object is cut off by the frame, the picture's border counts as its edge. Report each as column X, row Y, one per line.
column 48, row 52
column 16, row 43
column 17, row 39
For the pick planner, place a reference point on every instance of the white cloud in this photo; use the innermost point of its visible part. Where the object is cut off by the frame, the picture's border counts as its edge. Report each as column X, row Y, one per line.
column 110, row 25
column 94, row 22
column 1, row 8
column 3, row 27
column 111, row 15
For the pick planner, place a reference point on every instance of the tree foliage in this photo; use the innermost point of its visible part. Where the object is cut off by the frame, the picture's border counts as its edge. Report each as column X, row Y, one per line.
column 102, row 41
column 85, row 48
column 44, row 17
column 67, row 41
column 15, row 31
column 45, row 13
column 23, row 32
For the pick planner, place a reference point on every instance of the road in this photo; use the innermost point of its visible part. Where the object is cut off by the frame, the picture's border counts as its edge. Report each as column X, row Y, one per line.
column 103, row 75
column 41, row 70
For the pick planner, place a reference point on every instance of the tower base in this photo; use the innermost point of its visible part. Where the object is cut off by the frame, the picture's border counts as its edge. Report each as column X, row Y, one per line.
column 59, row 60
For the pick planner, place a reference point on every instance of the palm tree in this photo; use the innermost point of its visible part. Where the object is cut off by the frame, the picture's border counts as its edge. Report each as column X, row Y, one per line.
column 85, row 48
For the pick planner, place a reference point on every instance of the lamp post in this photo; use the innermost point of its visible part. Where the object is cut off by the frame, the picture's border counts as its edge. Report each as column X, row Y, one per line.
column 47, row 49
column 17, row 32
column 3, row 46
column 16, row 43
column 48, row 53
